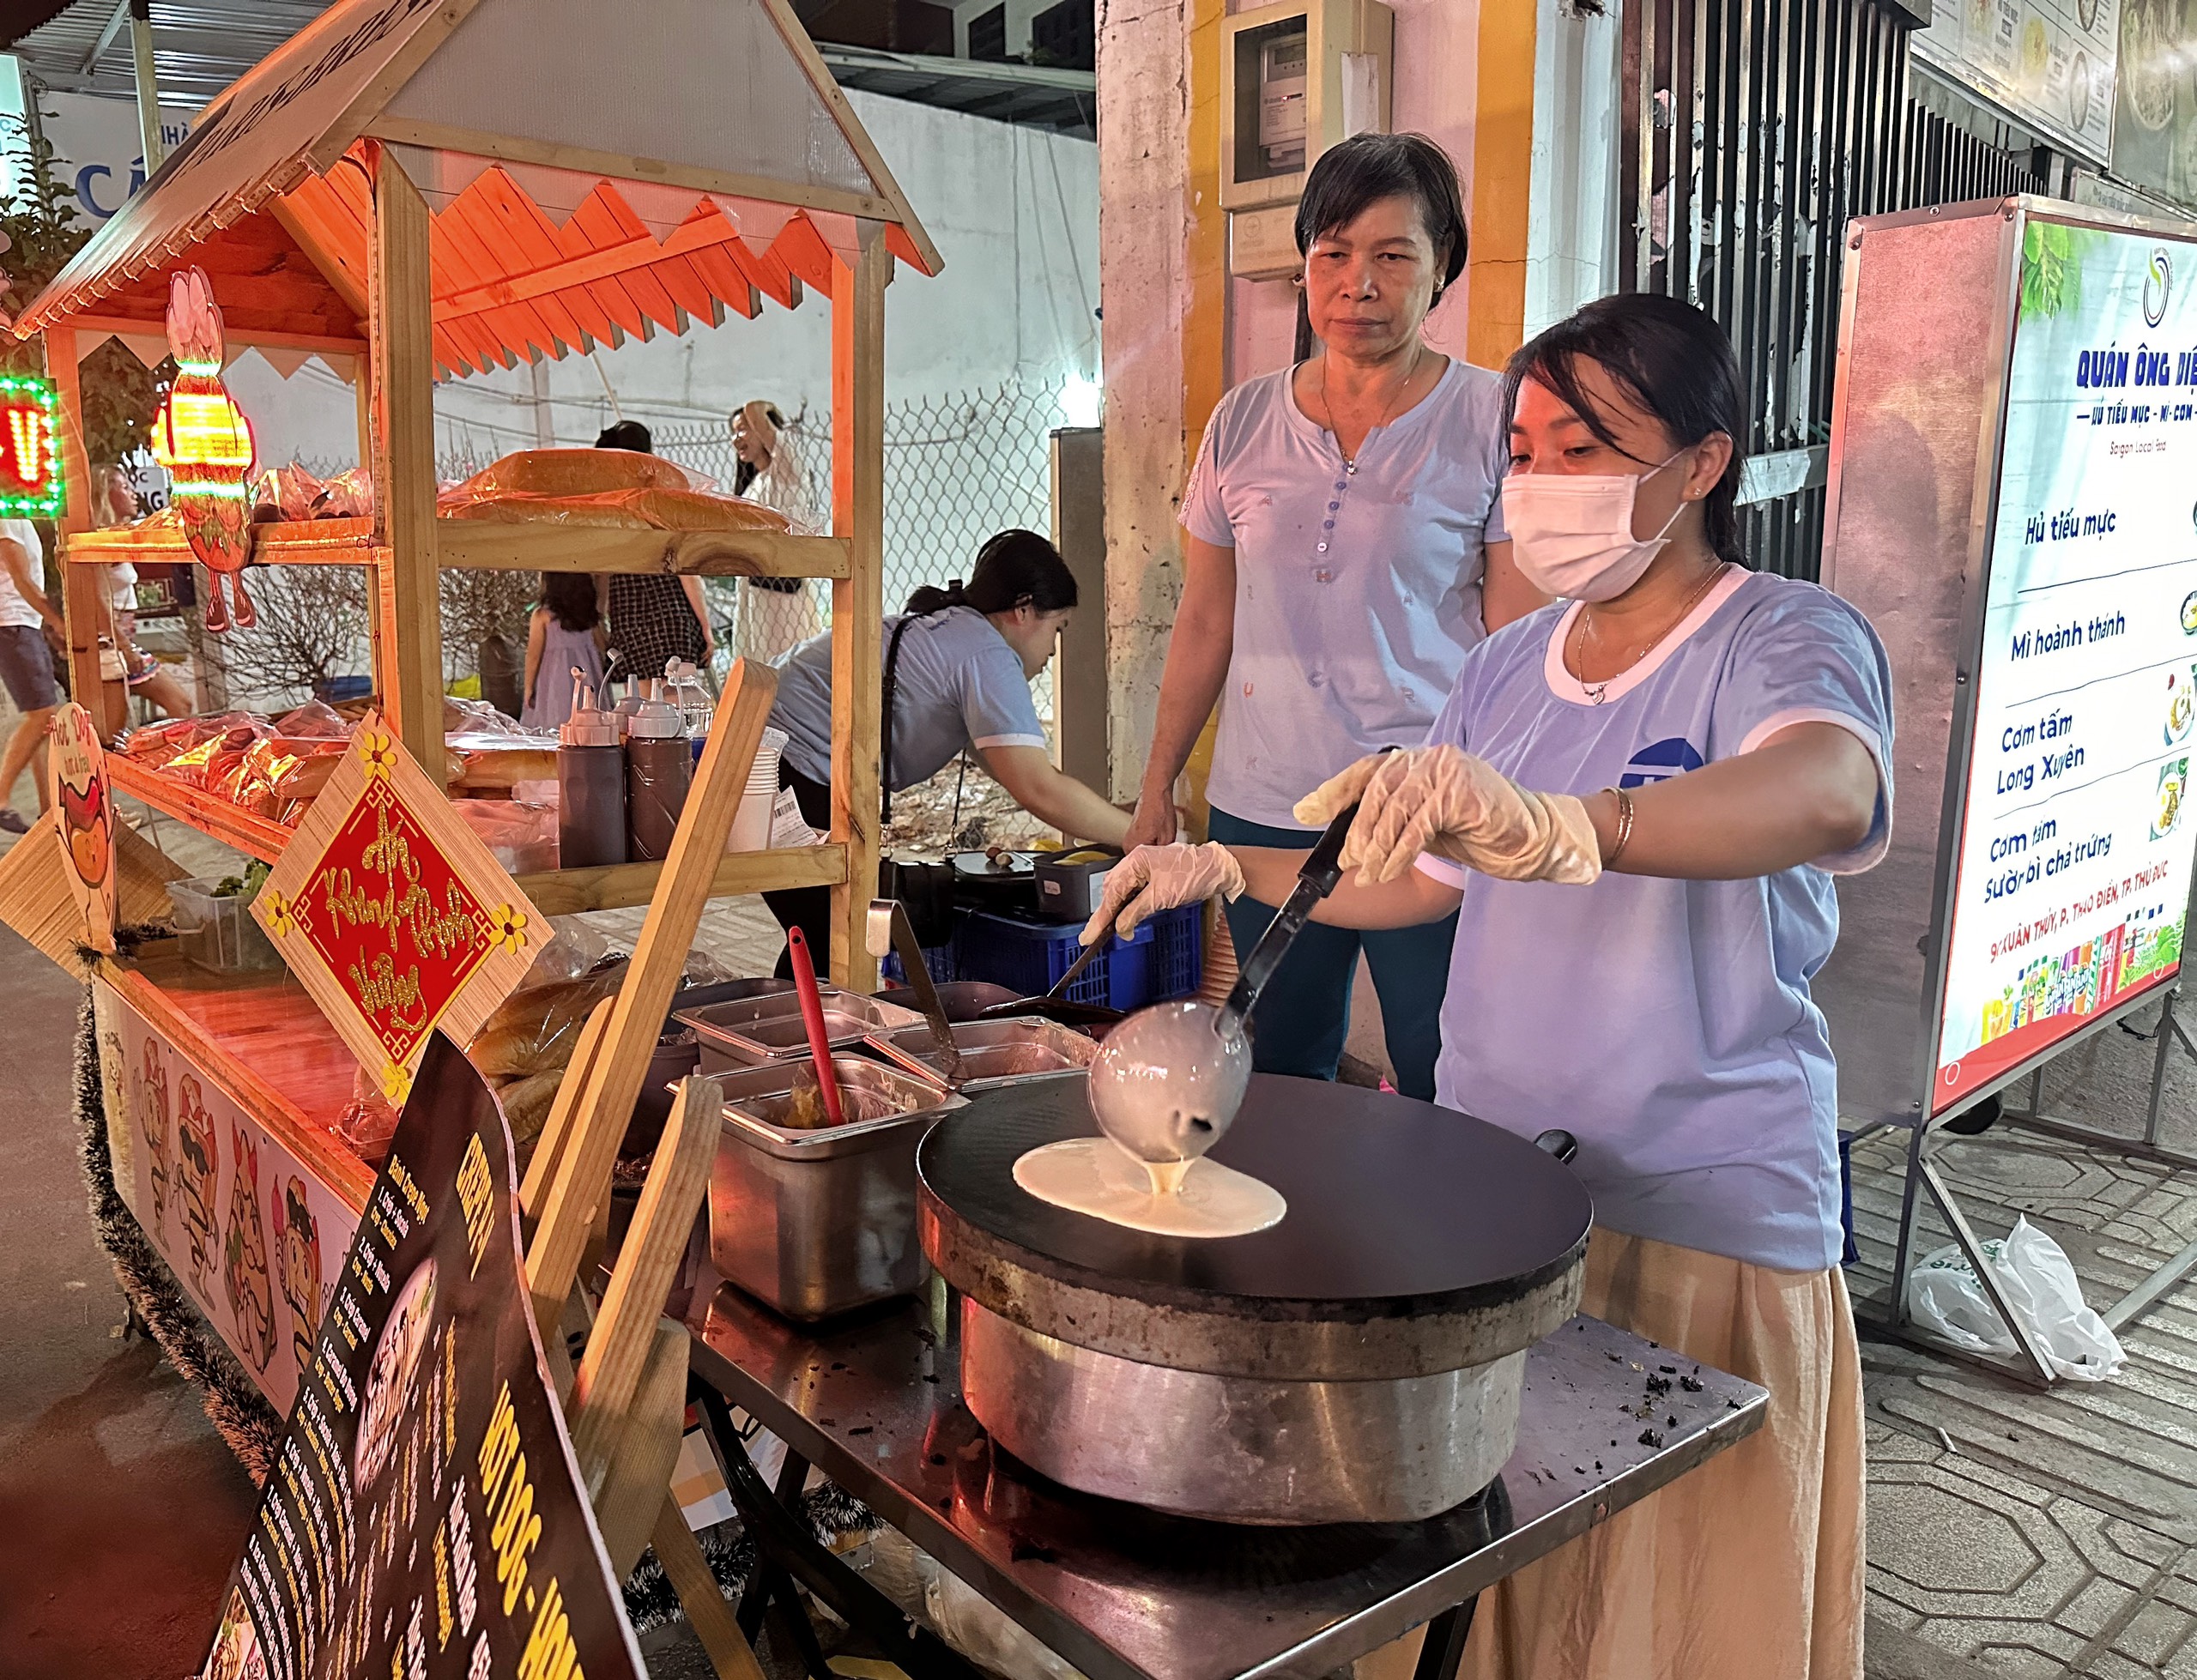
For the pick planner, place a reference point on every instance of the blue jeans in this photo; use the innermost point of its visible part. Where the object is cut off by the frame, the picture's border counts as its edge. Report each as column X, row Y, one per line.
column 1304, row 1015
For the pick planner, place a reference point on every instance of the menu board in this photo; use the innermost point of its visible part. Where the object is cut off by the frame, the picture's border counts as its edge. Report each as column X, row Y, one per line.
column 2155, row 118
column 2048, row 62
column 2075, row 841
column 424, row 1517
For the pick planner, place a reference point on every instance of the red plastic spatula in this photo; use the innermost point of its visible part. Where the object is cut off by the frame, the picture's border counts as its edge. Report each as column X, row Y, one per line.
column 811, row 1017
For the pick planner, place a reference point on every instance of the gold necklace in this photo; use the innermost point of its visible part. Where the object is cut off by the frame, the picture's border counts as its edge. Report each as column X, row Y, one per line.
column 1350, row 461
column 1582, row 630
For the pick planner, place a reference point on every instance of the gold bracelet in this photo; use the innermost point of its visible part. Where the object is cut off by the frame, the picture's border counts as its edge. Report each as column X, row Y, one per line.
column 1624, row 828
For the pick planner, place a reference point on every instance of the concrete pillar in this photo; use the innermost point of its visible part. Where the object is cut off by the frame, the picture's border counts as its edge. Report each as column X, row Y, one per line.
column 1144, row 214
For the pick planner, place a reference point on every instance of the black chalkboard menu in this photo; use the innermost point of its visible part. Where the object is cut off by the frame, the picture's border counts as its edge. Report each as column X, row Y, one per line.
column 424, row 1517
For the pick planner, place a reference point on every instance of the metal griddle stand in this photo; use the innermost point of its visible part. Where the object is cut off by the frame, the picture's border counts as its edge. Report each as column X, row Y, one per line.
column 2031, row 1366
column 1126, row 1594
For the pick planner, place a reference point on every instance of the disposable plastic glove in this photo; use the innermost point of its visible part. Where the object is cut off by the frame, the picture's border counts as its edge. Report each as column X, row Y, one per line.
column 1151, row 878
column 1442, row 800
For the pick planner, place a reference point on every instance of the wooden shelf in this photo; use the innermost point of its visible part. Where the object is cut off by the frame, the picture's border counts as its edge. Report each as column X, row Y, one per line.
column 256, row 837
column 554, row 892
column 264, row 1041
column 481, row 545
column 617, row 885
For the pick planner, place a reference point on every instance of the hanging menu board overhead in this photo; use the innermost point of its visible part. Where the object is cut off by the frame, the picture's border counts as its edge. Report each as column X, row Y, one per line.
column 2074, row 850
column 2051, row 62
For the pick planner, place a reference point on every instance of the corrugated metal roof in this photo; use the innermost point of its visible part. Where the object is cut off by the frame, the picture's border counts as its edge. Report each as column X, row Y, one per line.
column 198, row 48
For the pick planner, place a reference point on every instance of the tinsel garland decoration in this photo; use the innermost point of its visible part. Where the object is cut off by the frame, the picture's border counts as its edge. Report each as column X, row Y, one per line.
column 238, row 1410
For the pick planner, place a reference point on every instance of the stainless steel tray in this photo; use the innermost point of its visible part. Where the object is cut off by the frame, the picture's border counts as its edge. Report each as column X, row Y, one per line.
column 814, row 1223
column 1012, row 1050
column 746, row 1032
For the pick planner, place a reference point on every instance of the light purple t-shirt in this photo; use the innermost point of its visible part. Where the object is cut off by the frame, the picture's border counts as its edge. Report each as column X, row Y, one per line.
column 1357, row 593
column 1667, row 1025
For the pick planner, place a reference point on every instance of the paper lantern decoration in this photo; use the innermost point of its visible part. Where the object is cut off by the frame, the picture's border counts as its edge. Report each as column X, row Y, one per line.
column 30, row 448
column 203, row 440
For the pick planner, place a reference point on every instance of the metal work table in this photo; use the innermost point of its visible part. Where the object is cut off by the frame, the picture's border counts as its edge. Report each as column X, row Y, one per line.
column 1129, row 1594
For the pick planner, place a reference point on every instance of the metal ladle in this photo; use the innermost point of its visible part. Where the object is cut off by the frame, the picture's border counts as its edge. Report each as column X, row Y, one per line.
column 1167, row 1082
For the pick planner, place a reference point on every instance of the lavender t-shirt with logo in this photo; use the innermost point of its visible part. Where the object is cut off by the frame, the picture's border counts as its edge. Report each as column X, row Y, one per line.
column 1667, row 1023
column 1356, row 594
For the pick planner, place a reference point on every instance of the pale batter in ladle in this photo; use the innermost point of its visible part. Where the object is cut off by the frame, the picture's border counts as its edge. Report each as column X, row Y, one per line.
column 1165, row 1086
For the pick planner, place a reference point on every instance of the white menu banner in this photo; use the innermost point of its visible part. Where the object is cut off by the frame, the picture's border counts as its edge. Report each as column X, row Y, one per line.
column 2051, row 62
column 2076, row 842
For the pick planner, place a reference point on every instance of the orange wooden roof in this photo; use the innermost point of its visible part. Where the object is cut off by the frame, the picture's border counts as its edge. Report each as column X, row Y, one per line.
column 537, row 248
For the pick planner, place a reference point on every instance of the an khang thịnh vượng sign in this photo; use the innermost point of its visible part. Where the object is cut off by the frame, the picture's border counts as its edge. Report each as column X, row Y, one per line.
column 392, row 914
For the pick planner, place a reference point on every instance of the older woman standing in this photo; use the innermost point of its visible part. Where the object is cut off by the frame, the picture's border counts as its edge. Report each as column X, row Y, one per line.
column 1344, row 548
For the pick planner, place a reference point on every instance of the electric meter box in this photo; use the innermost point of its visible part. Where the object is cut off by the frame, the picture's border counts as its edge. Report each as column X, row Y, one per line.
column 1297, row 78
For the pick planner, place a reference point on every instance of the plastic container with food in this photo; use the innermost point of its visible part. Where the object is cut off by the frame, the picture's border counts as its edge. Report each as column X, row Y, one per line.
column 213, row 919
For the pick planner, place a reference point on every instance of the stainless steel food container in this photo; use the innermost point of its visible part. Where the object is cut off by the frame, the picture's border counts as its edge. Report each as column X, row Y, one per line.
column 814, row 1223
column 749, row 1032
column 1009, row 1051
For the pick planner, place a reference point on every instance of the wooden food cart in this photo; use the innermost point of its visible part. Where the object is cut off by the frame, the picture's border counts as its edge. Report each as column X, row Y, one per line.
column 416, row 190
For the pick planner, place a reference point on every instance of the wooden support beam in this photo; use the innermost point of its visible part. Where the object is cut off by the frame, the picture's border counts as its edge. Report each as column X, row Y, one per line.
column 858, row 599
column 707, row 1613
column 82, row 588
column 606, row 1101
column 609, row 1381
column 408, row 615
column 557, row 1130
column 613, row 886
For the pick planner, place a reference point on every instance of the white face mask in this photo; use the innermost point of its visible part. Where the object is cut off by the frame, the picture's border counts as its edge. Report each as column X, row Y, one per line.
column 1572, row 532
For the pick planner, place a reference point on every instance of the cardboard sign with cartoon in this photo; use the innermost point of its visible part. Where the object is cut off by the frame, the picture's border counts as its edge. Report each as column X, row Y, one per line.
column 77, row 769
column 242, row 1223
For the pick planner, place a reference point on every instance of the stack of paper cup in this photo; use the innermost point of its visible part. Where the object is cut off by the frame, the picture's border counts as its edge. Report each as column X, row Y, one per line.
column 751, row 823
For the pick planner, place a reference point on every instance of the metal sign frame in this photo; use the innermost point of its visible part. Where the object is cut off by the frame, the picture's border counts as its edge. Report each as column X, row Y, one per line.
column 1885, row 998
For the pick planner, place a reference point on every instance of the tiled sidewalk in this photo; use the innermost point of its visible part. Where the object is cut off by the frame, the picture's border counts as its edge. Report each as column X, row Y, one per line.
column 2024, row 1533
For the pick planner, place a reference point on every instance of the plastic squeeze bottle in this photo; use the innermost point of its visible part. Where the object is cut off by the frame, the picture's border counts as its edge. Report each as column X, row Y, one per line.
column 624, row 708
column 659, row 768
column 684, row 688
column 591, row 784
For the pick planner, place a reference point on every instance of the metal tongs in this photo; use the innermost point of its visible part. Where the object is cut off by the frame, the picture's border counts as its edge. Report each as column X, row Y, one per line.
column 1316, row 879
column 888, row 928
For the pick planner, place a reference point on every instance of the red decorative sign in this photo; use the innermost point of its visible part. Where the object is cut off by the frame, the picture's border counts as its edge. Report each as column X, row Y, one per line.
column 392, row 914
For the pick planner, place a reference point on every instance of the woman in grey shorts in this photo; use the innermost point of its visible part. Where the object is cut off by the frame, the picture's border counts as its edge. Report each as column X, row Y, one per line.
column 25, row 662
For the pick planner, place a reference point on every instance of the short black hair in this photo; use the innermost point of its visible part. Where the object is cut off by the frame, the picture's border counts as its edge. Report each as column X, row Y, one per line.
column 628, row 435
column 1667, row 356
column 1367, row 168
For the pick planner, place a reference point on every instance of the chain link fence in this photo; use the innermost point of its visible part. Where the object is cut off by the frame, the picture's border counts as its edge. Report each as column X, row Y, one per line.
column 958, row 468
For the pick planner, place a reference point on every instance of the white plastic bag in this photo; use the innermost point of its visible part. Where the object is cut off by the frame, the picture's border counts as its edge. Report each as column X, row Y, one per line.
column 1945, row 1297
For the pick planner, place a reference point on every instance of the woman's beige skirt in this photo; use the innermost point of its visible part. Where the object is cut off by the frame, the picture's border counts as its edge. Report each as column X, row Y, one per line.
column 1748, row 1568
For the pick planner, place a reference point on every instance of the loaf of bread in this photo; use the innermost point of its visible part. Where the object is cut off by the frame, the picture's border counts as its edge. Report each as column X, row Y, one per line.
column 663, row 508
column 576, row 472
column 533, row 1031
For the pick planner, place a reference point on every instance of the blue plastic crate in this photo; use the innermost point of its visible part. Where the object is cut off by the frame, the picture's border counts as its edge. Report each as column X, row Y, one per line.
column 938, row 959
column 1161, row 960
column 1178, row 956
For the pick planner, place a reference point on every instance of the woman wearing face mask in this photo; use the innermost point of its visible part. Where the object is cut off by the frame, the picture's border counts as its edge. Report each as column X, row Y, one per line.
column 1342, row 548
column 958, row 667
column 1636, row 804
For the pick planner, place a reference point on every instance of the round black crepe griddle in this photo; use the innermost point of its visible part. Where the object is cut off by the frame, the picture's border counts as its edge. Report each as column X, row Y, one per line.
column 1416, row 1240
